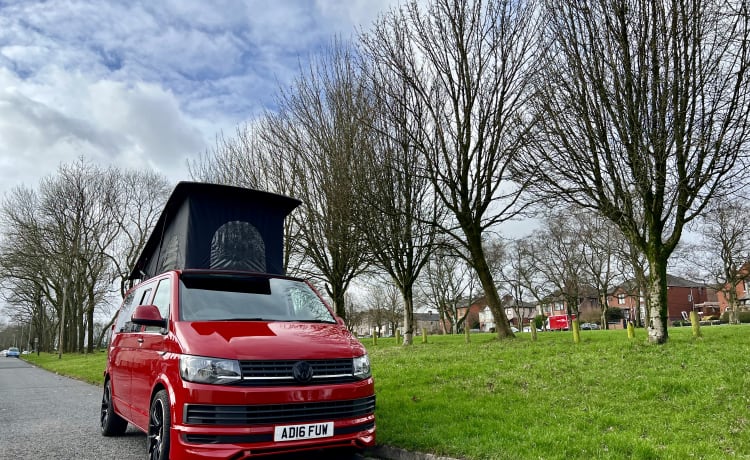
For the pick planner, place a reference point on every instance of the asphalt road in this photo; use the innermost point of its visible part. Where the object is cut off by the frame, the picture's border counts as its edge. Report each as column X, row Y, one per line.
column 47, row 416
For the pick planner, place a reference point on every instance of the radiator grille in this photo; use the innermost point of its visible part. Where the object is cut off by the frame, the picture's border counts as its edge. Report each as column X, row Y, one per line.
column 279, row 373
column 265, row 414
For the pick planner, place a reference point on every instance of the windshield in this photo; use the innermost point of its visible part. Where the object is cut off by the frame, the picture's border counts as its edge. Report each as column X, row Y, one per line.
column 217, row 297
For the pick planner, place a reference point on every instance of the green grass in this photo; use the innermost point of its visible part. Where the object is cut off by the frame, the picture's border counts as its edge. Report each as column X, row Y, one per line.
column 86, row 367
column 607, row 397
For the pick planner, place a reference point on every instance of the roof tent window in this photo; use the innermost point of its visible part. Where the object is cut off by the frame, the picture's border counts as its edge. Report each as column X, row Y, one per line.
column 238, row 245
column 171, row 254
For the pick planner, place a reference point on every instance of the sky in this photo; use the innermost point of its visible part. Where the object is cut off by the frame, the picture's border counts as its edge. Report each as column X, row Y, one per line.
column 148, row 84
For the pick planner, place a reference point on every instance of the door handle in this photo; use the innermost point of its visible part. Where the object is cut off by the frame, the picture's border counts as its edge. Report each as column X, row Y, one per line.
column 140, row 341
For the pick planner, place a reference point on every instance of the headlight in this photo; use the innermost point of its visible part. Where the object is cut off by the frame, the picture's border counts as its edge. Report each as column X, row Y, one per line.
column 362, row 367
column 209, row 370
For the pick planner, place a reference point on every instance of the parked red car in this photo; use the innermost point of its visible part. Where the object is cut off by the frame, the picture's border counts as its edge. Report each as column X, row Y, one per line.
column 226, row 363
column 229, row 365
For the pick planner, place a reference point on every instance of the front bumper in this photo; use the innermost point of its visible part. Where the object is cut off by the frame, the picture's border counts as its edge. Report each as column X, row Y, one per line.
column 238, row 443
column 239, row 425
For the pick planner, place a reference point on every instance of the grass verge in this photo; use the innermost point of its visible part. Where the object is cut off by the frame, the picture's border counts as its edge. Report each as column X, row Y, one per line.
column 87, row 367
column 607, row 397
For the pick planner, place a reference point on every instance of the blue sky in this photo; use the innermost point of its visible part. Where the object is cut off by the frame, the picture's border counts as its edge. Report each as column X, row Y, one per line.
column 148, row 83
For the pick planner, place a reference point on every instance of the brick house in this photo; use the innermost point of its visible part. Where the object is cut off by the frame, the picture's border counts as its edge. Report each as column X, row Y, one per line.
column 741, row 292
column 683, row 296
column 474, row 308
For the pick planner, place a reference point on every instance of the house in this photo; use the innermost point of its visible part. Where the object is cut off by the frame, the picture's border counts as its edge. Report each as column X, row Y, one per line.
column 627, row 298
column 472, row 319
column 486, row 320
column 683, row 296
column 588, row 305
column 741, row 292
column 428, row 319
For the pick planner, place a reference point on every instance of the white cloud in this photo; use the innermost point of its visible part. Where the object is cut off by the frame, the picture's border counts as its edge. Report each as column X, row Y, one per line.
column 138, row 125
column 144, row 83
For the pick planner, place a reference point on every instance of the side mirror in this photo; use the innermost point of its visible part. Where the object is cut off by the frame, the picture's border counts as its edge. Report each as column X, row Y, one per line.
column 340, row 320
column 148, row 315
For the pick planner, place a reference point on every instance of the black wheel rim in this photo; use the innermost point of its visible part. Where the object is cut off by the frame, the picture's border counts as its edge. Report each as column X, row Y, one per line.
column 106, row 398
column 156, row 430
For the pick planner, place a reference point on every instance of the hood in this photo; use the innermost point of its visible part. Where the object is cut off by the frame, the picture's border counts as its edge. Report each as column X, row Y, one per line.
column 260, row 340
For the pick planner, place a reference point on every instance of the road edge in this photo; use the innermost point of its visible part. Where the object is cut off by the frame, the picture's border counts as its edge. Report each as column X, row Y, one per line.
column 395, row 453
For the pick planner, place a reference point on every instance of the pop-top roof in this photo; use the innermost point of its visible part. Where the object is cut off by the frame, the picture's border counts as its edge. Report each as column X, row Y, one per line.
column 221, row 227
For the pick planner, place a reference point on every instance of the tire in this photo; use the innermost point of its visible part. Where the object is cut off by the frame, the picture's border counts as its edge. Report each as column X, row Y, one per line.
column 111, row 423
column 159, row 425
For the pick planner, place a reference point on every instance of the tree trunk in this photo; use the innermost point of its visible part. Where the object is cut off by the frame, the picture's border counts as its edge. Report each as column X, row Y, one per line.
column 90, row 330
column 408, row 316
column 105, row 329
column 657, row 302
column 732, row 297
column 337, row 294
column 479, row 262
column 493, row 301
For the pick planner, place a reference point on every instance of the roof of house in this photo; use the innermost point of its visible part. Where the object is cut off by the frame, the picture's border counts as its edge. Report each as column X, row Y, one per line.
column 672, row 281
column 676, row 281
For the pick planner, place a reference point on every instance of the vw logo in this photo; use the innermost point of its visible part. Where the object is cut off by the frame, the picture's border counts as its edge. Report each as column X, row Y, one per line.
column 302, row 371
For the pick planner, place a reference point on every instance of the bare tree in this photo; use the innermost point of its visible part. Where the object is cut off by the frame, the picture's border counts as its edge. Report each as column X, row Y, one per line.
column 525, row 265
column 65, row 245
column 321, row 127
column 80, row 205
column 448, row 284
column 603, row 243
column 140, row 198
column 384, row 306
column 560, row 259
column 55, row 244
column 514, row 271
column 468, row 64
column 643, row 111
column 23, row 262
column 725, row 242
column 355, row 313
column 397, row 209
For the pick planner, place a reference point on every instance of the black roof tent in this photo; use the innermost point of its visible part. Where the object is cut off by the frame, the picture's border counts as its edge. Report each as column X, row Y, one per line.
column 219, row 227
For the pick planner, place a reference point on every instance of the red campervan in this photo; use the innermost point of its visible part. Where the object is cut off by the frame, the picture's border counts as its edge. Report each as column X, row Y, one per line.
column 214, row 361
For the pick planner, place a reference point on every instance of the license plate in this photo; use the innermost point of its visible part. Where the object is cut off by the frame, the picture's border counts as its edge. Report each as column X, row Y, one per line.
column 306, row 431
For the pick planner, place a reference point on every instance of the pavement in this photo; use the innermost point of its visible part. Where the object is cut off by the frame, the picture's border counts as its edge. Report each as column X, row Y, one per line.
column 394, row 453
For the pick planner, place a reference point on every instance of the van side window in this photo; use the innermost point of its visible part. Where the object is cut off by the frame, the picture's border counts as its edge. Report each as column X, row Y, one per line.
column 162, row 299
column 125, row 311
column 144, row 298
column 143, row 294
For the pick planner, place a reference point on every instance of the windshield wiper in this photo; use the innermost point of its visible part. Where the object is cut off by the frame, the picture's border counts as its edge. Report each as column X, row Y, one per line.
column 324, row 321
column 243, row 319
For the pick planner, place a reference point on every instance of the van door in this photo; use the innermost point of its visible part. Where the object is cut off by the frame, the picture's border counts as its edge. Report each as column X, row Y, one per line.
column 120, row 355
column 148, row 355
column 127, row 347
